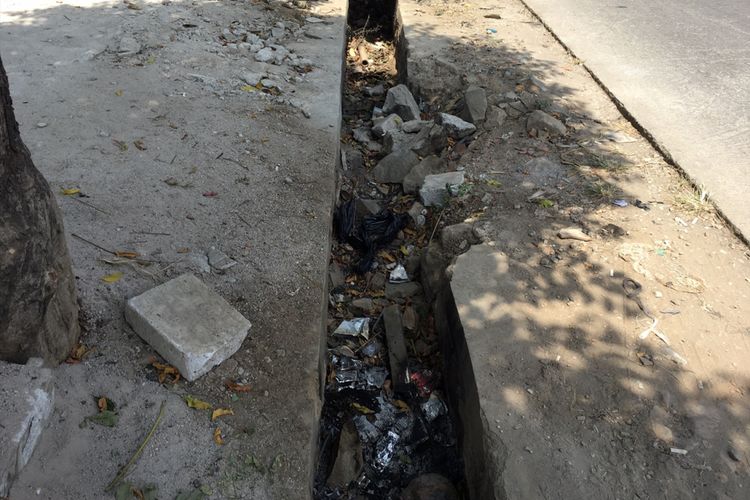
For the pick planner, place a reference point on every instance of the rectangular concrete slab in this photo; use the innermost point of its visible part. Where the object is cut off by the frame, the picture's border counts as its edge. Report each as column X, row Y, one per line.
column 27, row 397
column 188, row 324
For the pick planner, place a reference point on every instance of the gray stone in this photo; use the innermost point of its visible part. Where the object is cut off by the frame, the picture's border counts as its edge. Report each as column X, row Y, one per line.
column 361, row 307
column 361, row 135
column 432, row 269
column 436, row 188
column 277, row 33
column 395, row 140
column 475, row 105
column 335, row 275
column 390, row 123
column 376, row 90
column 252, row 78
column 456, row 127
column 542, row 170
column 264, row 55
column 219, row 260
column 413, row 126
column 397, row 355
column 457, row 238
column 430, row 141
column 400, row 101
column 128, row 46
column 528, row 100
column 573, row 233
column 415, row 178
column 27, row 397
column 417, row 214
column 430, row 487
column 395, row 166
column 495, row 118
column 402, row 290
column 188, row 324
column 349, row 460
column 542, row 122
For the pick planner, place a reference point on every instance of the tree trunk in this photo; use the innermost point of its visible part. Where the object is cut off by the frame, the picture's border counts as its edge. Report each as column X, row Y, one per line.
column 38, row 308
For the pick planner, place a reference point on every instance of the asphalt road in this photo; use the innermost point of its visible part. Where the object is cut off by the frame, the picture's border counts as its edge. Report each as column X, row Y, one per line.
column 682, row 69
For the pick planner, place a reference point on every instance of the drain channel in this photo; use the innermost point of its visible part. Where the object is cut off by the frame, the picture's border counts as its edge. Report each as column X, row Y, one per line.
column 386, row 430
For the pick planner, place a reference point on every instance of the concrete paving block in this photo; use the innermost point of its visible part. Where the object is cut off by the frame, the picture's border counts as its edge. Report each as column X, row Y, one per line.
column 188, row 324
column 27, row 397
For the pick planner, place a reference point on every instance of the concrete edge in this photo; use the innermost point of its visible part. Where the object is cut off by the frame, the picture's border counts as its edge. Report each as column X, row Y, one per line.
column 652, row 140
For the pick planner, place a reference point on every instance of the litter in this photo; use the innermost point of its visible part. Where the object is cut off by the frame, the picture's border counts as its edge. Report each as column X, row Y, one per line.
column 678, row 451
column 399, row 275
column 620, row 203
column 354, row 328
column 433, row 408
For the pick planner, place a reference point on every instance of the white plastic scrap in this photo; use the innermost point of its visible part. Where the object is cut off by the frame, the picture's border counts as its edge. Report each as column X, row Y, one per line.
column 398, row 275
column 354, row 328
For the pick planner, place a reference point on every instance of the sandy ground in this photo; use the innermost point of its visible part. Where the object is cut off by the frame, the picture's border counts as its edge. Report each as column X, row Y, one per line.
column 146, row 108
column 579, row 406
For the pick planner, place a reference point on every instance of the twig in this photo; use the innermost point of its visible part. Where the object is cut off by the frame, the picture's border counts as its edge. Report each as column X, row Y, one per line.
column 436, row 226
column 124, row 470
column 90, row 205
column 222, row 157
column 154, row 233
column 74, row 235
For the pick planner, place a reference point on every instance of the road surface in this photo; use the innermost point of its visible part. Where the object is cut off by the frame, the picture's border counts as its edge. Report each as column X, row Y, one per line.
column 682, row 69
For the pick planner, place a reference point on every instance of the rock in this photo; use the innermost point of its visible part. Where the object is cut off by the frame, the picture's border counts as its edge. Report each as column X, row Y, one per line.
column 430, row 487
column 413, row 126
column 378, row 280
column 336, row 275
column 361, row 307
column 395, row 166
column 361, row 135
column 395, row 140
column 542, row 122
column 390, row 123
column 475, row 105
column 495, row 118
column 128, row 46
column 528, row 100
column 219, row 260
column 412, row 262
column 397, row 355
column 252, row 78
column 409, row 319
column 41, row 125
column 619, row 137
column 27, row 397
column 417, row 213
column 400, row 101
column 455, row 127
column 376, row 90
column 349, row 461
column 188, row 324
column 430, row 141
column 264, row 55
column 435, row 189
column 573, row 233
column 428, row 166
column 402, row 290
column 457, row 238
column 277, row 33
column 432, row 270
column 542, row 170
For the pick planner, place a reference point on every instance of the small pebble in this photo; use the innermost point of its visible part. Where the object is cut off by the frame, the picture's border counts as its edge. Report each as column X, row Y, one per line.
column 41, row 125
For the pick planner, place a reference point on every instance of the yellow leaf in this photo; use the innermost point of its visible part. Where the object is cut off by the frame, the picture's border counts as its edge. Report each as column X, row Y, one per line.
column 151, row 60
column 220, row 412
column 68, row 192
column 118, row 92
column 217, row 436
column 385, row 255
column 404, row 250
column 111, row 278
column 197, row 403
column 401, row 405
column 248, row 88
column 494, row 183
column 362, row 409
column 127, row 254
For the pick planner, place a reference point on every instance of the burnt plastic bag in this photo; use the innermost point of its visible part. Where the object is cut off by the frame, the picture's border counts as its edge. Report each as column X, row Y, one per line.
column 372, row 234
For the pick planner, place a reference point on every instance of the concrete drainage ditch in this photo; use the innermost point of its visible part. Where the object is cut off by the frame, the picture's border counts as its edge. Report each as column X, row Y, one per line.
column 387, row 427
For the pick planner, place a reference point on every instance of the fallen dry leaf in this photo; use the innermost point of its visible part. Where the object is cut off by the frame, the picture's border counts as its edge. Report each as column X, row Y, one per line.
column 217, row 436
column 165, row 371
column 220, row 412
column 71, row 191
column 197, row 403
column 77, row 354
column 111, row 278
column 183, row 250
column 401, row 405
column 139, row 145
column 362, row 409
column 118, row 92
column 123, row 146
column 127, row 254
column 210, row 194
column 235, row 387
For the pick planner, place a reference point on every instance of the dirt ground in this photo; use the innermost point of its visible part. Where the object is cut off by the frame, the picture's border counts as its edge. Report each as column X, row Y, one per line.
column 149, row 109
column 584, row 407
